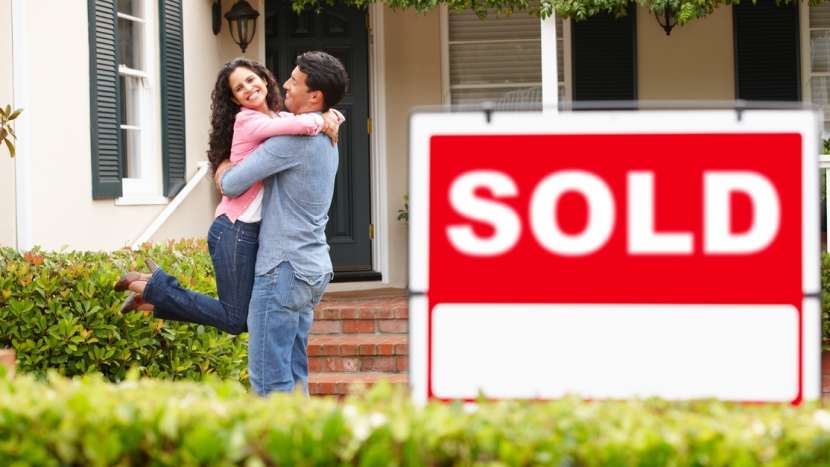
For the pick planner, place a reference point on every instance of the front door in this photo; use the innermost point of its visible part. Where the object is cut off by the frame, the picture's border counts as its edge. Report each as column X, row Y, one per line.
column 340, row 31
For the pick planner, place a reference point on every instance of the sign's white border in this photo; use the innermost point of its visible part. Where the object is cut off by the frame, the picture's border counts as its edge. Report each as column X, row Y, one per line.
column 424, row 125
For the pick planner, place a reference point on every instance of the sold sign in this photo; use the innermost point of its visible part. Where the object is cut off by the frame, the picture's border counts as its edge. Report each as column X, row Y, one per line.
column 611, row 255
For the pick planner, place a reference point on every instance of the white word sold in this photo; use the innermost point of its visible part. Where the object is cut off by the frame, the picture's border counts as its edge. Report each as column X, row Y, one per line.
column 642, row 238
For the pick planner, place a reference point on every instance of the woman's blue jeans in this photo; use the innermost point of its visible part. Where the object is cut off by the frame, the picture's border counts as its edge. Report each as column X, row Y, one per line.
column 233, row 249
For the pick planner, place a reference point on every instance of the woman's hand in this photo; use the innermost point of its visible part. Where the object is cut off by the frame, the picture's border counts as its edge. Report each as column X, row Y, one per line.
column 220, row 171
column 331, row 125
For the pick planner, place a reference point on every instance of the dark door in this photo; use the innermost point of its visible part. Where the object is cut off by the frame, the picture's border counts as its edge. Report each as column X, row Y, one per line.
column 340, row 31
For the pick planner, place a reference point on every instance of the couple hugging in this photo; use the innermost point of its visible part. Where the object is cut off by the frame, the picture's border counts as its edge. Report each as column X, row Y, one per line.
column 268, row 241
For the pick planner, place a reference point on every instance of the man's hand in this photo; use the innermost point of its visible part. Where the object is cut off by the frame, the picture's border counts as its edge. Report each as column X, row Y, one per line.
column 331, row 125
column 220, row 171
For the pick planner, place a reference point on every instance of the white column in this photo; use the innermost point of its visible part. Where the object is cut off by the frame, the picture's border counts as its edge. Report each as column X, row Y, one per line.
column 550, row 79
column 23, row 162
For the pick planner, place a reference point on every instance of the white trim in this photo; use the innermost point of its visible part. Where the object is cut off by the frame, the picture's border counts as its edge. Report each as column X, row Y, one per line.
column 418, row 349
column 23, row 160
column 203, row 168
column 444, row 20
column 377, row 142
column 811, row 332
column 550, row 70
column 141, row 200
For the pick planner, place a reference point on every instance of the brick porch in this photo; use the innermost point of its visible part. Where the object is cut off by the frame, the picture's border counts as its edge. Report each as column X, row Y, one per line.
column 358, row 337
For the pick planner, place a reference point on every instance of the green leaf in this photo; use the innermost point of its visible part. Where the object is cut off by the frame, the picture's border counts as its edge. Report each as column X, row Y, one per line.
column 10, row 146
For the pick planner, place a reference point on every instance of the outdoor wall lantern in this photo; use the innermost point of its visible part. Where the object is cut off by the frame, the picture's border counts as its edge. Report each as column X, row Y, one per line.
column 242, row 22
column 666, row 18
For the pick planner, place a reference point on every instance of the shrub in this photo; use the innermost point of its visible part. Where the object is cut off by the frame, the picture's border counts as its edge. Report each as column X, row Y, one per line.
column 58, row 311
column 144, row 422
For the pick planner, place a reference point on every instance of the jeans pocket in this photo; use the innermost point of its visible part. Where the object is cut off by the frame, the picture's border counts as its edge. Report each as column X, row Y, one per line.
column 247, row 237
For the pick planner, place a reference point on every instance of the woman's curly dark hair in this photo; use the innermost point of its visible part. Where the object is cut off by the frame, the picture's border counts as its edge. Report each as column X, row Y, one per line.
column 223, row 108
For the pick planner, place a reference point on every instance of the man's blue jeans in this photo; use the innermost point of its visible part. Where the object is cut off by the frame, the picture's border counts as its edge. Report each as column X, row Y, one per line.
column 233, row 249
column 279, row 320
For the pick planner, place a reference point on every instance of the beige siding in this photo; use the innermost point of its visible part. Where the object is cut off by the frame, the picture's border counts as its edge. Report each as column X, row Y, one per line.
column 413, row 77
column 63, row 212
column 695, row 62
column 7, row 195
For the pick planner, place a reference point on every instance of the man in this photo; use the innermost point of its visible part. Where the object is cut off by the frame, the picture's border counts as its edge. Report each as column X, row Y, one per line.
column 293, row 266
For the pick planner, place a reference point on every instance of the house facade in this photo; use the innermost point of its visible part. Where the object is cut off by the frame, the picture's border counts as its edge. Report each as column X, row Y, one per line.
column 116, row 98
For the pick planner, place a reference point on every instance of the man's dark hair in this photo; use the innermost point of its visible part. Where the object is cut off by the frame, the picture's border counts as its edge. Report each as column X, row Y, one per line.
column 326, row 74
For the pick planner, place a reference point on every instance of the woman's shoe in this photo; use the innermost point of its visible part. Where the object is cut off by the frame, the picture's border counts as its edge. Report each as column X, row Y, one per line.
column 125, row 281
column 134, row 302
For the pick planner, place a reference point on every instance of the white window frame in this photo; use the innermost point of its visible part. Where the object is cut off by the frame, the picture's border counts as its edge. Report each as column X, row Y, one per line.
column 148, row 188
column 564, row 81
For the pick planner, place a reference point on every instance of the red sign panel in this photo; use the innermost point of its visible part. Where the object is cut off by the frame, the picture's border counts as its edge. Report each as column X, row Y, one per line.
column 530, row 197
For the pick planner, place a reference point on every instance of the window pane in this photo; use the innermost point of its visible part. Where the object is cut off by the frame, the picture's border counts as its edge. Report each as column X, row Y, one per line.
column 466, row 26
column 820, row 50
column 130, row 37
column 496, row 63
column 131, row 152
column 130, row 94
column 820, row 16
column 131, row 7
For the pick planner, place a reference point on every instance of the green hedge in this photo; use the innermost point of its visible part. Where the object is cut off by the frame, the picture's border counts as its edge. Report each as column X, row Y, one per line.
column 58, row 311
column 88, row 421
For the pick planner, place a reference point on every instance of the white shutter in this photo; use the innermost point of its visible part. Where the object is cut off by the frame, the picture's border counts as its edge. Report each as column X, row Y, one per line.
column 498, row 58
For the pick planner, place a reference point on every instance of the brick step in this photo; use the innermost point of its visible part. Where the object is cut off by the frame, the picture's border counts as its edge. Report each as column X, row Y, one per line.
column 383, row 311
column 341, row 384
column 358, row 353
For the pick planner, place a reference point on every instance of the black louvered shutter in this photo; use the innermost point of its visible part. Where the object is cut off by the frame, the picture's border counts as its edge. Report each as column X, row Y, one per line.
column 604, row 57
column 105, row 100
column 172, row 96
column 766, row 51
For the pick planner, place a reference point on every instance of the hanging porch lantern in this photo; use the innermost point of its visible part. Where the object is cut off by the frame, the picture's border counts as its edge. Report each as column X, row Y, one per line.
column 666, row 18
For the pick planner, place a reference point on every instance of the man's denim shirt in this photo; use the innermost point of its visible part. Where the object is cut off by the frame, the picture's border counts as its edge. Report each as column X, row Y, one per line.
column 298, row 176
